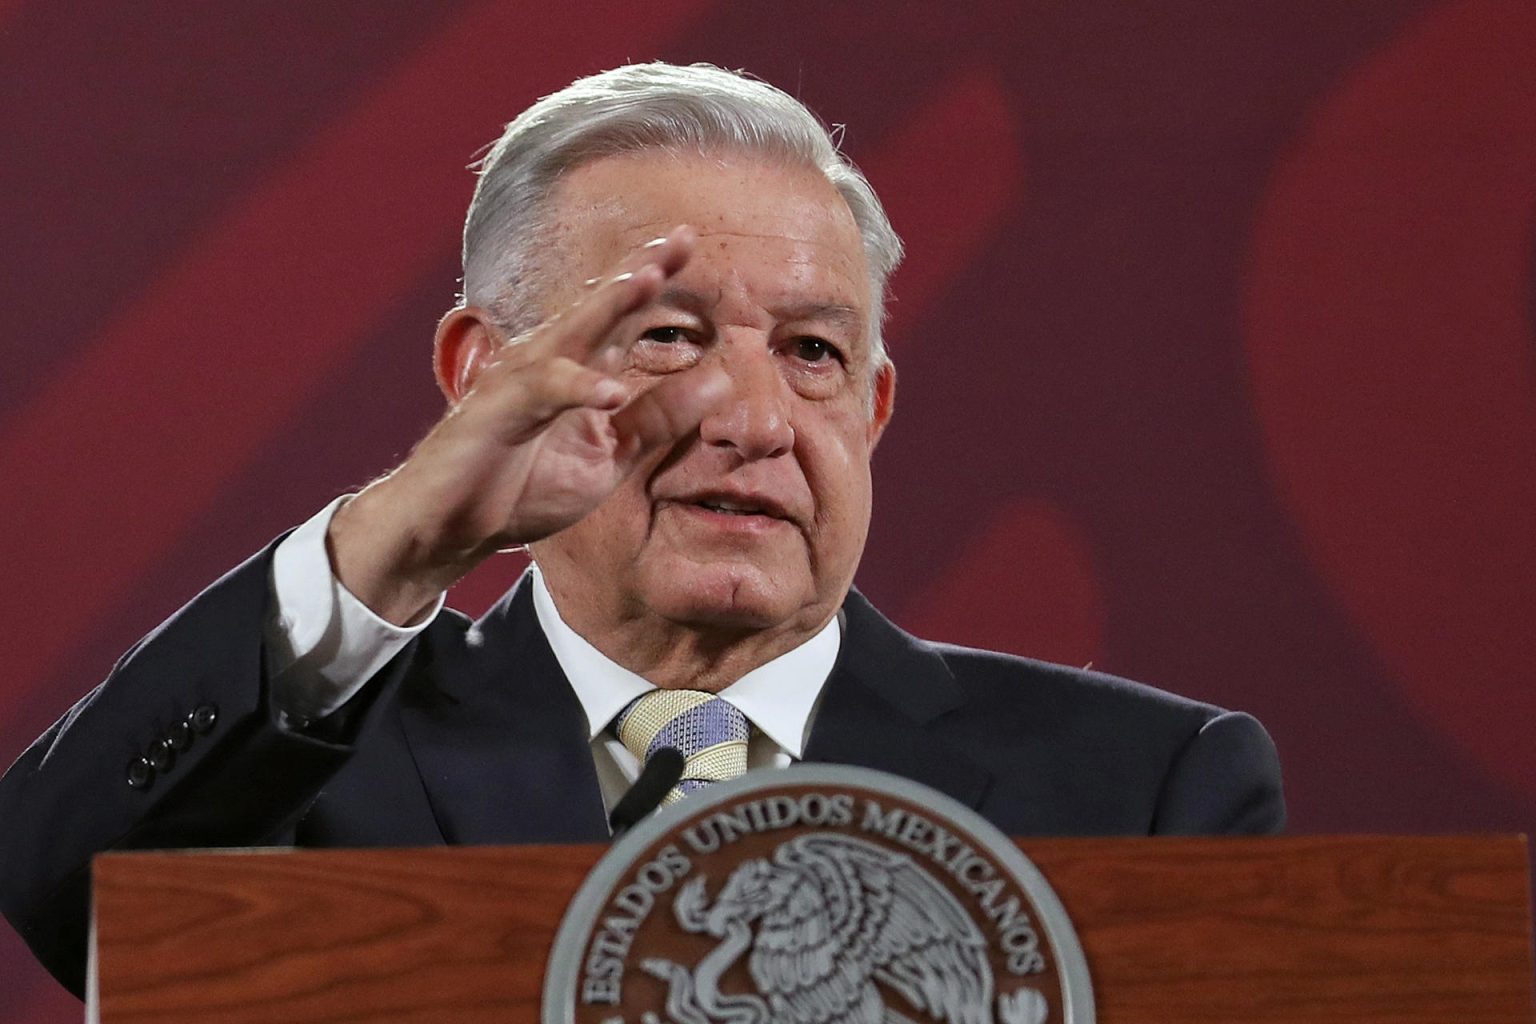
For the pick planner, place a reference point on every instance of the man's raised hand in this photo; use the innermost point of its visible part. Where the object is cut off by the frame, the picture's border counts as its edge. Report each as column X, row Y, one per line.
column 539, row 433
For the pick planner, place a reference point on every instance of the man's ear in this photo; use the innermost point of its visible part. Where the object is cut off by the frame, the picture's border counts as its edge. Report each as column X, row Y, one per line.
column 466, row 340
column 884, row 402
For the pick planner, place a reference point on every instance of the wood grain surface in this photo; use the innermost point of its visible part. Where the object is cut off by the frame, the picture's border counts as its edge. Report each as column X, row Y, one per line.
column 1262, row 931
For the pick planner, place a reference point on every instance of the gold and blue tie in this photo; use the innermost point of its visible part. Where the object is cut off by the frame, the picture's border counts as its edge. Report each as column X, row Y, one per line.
column 707, row 730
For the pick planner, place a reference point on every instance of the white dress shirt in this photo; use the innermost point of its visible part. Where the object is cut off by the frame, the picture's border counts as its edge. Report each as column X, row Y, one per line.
column 323, row 644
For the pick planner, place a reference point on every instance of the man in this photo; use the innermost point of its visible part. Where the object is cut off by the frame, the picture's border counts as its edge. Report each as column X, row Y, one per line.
column 667, row 380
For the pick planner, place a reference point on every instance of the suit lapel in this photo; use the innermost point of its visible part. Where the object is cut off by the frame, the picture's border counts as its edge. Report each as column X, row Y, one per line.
column 880, row 705
column 499, row 736
column 500, row 739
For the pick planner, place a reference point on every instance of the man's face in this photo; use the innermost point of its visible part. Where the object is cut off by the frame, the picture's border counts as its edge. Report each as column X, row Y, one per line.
column 757, row 522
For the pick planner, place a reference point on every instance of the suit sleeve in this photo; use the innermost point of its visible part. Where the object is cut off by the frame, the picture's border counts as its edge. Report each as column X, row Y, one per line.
column 233, row 776
column 1225, row 780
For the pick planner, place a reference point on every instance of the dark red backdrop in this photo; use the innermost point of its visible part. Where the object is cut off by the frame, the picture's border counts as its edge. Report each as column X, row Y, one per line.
column 1216, row 352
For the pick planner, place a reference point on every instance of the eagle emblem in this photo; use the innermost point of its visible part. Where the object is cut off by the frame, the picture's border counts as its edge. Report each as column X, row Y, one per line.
column 835, row 929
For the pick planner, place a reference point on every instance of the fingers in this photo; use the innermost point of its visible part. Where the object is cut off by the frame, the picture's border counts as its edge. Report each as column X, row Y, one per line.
column 589, row 325
column 541, row 367
column 532, row 395
column 666, row 413
column 569, row 362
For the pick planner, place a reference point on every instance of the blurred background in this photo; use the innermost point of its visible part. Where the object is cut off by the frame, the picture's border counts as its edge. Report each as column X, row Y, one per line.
column 1216, row 350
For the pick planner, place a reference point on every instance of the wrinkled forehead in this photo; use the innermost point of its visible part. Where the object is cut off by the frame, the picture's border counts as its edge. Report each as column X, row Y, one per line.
column 754, row 213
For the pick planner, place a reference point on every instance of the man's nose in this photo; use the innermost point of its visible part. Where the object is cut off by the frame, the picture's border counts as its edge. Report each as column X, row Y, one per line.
column 753, row 416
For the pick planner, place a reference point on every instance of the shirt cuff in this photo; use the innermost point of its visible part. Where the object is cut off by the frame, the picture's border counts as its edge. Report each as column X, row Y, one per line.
column 322, row 643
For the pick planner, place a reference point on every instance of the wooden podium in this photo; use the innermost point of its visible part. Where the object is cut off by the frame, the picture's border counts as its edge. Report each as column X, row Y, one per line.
column 1347, row 929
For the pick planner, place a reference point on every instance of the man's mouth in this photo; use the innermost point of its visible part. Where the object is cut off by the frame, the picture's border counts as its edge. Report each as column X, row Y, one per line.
column 735, row 508
column 742, row 505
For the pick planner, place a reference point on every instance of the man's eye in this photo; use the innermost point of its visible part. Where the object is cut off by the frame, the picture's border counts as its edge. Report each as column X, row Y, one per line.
column 815, row 350
column 665, row 350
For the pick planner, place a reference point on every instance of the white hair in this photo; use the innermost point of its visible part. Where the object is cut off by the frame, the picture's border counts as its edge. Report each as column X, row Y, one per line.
column 697, row 108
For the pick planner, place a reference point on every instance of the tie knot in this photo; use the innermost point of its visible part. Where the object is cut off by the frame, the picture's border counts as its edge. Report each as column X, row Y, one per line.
column 710, row 732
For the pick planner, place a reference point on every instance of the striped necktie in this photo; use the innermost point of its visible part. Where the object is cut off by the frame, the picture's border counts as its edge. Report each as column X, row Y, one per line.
column 708, row 731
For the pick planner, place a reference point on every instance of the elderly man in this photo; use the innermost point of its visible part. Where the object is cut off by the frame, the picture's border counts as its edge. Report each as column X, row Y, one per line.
column 667, row 380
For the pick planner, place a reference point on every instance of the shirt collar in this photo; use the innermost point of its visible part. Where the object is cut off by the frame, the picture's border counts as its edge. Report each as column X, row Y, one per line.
column 777, row 697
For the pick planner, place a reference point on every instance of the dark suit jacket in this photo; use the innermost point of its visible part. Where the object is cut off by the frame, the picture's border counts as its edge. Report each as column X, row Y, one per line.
column 472, row 735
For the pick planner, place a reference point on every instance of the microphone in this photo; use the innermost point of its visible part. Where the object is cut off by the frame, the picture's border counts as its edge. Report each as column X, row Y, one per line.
column 662, row 771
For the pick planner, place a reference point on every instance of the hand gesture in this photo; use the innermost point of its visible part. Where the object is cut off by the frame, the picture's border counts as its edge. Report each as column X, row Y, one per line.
column 542, row 431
